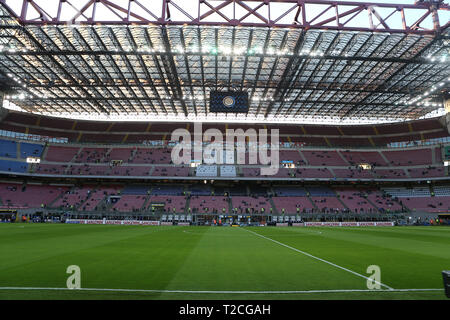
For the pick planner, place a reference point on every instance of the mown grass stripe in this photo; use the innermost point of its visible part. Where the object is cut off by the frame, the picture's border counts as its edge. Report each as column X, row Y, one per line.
column 319, row 259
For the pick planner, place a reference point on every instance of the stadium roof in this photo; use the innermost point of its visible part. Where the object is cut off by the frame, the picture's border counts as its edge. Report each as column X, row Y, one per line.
column 300, row 61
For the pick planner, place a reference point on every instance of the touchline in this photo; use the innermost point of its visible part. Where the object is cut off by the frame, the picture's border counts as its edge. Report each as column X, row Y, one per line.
column 218, row 144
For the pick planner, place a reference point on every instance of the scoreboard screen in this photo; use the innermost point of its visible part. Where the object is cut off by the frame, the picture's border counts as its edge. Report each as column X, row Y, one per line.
column 231, row 101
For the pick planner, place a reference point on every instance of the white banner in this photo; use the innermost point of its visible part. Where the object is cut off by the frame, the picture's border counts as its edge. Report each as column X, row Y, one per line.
column 346, row 224
column 298, row 224
column 118, row 222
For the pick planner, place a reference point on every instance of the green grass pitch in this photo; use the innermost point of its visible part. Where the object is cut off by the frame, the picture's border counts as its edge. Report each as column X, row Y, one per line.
column 221, row 262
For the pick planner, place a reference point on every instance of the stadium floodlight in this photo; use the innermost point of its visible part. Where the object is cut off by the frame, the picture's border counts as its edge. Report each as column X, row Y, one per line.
column 226, row 50
column 193, row 49
column 178, row 49
column 239, row 51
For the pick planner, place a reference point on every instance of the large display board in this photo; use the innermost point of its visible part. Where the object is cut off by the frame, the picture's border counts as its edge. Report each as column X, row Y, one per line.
column 228, row 101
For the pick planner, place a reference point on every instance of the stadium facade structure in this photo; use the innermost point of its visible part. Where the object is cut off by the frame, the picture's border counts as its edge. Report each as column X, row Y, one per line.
column 94, row 169
column 375, row 75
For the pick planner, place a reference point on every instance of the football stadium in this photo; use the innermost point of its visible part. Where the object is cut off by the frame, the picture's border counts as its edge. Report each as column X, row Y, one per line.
column 233, row 149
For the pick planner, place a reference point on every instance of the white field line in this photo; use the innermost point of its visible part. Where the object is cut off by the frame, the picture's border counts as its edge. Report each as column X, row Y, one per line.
column 220, row 291
column 317, row 258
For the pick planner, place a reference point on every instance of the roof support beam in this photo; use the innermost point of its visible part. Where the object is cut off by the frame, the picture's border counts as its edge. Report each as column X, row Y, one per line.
column 382, row 17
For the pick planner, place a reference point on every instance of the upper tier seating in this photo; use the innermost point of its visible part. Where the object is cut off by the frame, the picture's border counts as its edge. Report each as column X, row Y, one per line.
column 91, row 155
column 353, row 173
column 426, row 172
column 130, row 171
column 313, row 173
column 171, row 171
column 153, row 156
column 408, row 157
column 389, row 173
column 30, row 150
column 88, row 170
column 291, row 155
column 324, row 158
column 373, row 158
column 282, row 173
column 8, row 149
column 51, row 169
column 155, row 162
column 315, row 135
column 124, row 154
column 13, row 166
column 61, row 154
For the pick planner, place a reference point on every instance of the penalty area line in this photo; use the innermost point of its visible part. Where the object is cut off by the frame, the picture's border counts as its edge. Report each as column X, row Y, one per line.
column 319, row 259
column 220, row 291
